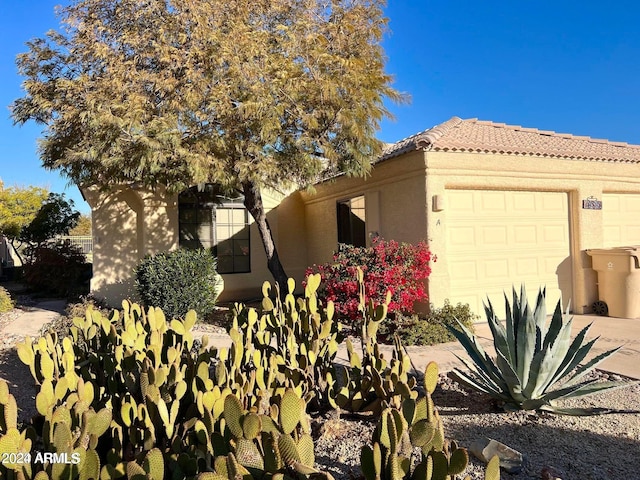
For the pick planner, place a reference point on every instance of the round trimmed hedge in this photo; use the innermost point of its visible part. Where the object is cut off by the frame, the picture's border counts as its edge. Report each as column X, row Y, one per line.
column 179, row 281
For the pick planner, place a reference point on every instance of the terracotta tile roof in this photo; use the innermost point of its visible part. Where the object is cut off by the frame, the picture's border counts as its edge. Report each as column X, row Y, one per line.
column 473, row 135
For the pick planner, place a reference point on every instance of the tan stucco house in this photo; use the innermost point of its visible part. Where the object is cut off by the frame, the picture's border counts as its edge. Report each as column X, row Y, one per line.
column 498, row 204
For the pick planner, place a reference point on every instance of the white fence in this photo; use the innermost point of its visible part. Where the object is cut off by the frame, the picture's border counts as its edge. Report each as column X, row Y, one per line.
column 85, row 242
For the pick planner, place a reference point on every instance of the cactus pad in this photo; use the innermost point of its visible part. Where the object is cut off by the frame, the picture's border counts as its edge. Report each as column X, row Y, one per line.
column 431, row 377
column 233, row 411
column 290, row 411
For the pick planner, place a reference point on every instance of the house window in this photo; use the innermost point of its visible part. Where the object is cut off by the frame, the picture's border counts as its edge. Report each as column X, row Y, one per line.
column 351, row 222
column 208, row 219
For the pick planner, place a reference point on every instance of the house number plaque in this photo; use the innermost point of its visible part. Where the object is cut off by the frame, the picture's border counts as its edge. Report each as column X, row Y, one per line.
column 592, row 203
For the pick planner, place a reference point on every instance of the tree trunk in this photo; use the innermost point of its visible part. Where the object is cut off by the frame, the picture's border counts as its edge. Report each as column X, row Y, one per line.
column 15, row 250
column 253, row 203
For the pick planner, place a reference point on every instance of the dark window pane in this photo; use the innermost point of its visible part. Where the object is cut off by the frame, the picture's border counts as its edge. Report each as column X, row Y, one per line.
column 241, row 247
column 225, row 264
column 351, row 222
column 207, row 219
column 242, row 264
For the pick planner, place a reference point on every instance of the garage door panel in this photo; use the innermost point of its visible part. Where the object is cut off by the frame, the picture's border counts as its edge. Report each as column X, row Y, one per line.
column 633, row 203
column 621, row 219
column 525, row 234
column 550, row 203
column 527, row 267
column 494, row 235
column 495, row 202
column 523, row 201
column 495, row 268
column 612, row 236
column 634, row 232
column 464, row 269
column 462, row 203
column 518, row 237
column 555, row 235
column 461, row 236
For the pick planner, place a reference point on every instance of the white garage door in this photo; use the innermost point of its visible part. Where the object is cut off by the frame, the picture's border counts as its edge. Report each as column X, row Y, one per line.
column 621, row 219
column 496, row 239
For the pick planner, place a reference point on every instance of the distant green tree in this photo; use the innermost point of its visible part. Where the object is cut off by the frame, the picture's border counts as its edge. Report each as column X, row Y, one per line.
column 18, row 207
column 83, row 227
column 249, row 94
column 55, row 217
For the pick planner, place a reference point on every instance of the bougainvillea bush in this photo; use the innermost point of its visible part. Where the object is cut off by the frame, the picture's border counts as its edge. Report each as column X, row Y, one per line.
column 387, row 265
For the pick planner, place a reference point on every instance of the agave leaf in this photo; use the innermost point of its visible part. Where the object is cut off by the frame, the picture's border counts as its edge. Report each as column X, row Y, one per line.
column 510, row 377
column 540, row 372
column 509, row 327
column 579, row 356
column 518, row 313
column 497, row 383
column 590, row 365
column 561, row 345
column 573, row 355
column 540, row 316
column 499, row 333
column 576, row 412
column 555, row 326
column 470, row 343
column 467, row 378
column 584, row 389
column 526, row 340
column 533, row 404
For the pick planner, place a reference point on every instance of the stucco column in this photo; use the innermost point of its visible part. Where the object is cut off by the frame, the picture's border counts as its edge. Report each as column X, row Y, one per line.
column 436, row 219
column 586, row 233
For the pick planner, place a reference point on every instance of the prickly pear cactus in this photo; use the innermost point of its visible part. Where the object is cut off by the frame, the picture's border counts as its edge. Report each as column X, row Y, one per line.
column 416, row 425
column 14, row 445
column 134, row 379
column 372, row 383
column 289, row 344
column 268, row 445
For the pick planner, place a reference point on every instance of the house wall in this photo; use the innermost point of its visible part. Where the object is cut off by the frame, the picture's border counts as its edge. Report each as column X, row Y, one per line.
column 579, row 179
column 8, row 256
column 399, row 193
column 246, row 286
column 291, row 237
column 127, row 225
column 395, row 205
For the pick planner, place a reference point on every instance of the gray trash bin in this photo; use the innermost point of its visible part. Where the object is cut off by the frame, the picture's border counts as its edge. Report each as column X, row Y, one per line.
column 618, row 281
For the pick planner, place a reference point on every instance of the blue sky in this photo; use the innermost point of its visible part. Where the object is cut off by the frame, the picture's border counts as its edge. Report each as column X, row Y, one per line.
column 571, row 67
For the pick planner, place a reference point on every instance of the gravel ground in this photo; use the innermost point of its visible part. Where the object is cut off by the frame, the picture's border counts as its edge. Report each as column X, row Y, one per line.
column 576, row 448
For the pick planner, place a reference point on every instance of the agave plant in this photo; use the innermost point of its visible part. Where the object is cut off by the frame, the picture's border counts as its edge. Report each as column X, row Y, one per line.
column 536, row 364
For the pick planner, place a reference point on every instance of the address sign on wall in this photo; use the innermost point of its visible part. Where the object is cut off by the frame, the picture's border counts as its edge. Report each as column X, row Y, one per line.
column 592, row 203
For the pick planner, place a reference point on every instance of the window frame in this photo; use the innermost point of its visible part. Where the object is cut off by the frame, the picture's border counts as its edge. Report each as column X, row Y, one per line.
column 348, row 235
column 207, row 204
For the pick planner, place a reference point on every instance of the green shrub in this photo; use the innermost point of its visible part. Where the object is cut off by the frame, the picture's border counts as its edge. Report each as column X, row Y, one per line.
column 431, row 329
column 6, row 303
column 179, row 281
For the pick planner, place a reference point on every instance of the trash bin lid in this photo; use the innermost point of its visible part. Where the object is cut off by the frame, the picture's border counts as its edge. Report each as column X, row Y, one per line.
column 630, row 250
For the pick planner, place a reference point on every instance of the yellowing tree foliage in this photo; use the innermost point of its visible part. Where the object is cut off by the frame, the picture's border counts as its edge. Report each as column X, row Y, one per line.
column 247, row 94
column 83, row 228
column 18, row 207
